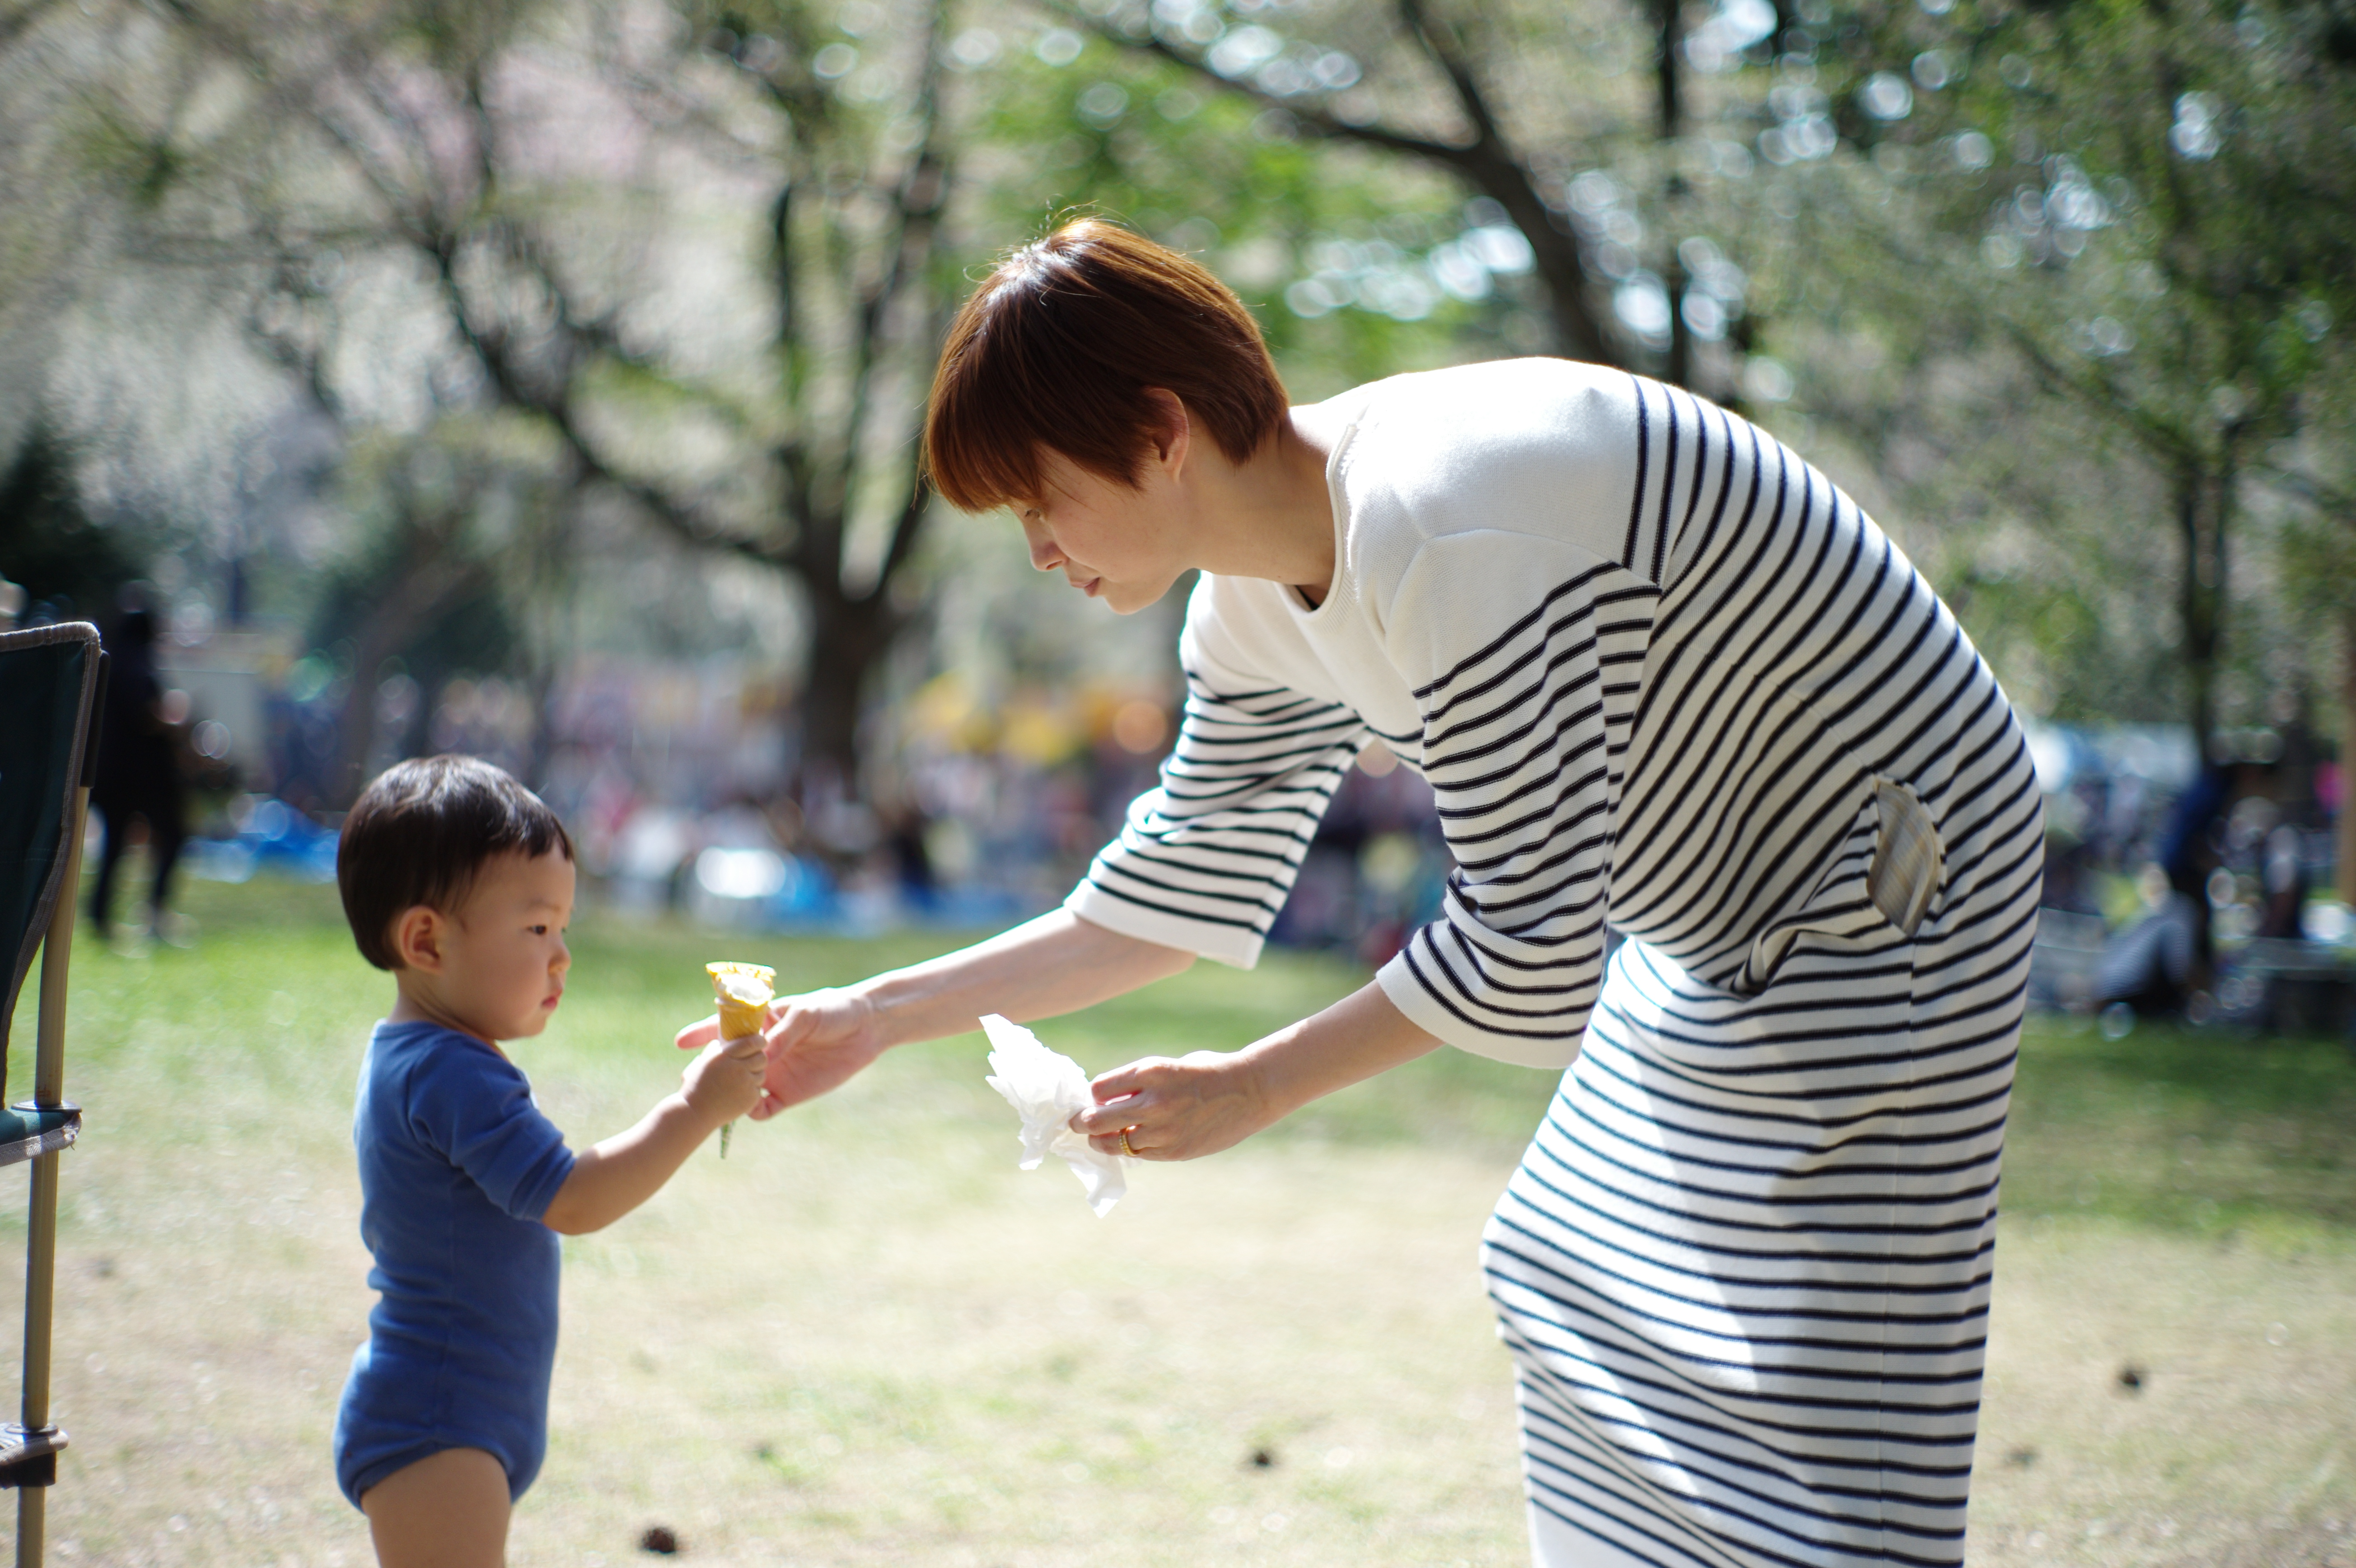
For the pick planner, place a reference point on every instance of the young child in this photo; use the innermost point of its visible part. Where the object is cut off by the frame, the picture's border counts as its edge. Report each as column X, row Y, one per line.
column 459, row 880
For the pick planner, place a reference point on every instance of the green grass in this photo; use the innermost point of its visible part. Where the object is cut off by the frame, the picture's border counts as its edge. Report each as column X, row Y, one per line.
column 2196, row 1132
column 865, row 1338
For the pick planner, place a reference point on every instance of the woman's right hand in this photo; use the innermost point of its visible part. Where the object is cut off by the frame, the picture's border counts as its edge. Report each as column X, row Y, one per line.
column 1053, row 963
column 817, row 1041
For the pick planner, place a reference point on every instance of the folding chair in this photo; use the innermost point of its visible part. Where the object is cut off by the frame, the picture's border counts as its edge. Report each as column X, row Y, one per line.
column 50, row 681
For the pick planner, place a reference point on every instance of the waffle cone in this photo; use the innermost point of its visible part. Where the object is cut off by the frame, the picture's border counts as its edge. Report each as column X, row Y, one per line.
column 744, row 991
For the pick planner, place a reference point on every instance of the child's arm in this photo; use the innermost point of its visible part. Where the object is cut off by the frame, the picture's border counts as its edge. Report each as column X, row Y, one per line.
column 625, row 1170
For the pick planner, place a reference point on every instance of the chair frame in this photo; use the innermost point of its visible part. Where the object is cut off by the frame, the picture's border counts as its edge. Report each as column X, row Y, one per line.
column 29, row 1447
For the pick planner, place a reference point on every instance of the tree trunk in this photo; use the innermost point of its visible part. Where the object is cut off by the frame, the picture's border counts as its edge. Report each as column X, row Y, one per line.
column 418, row 594
column 2347, row 839
column 1679, row 370
column 1578, row 333
column 849, row 637
column 2204, row 515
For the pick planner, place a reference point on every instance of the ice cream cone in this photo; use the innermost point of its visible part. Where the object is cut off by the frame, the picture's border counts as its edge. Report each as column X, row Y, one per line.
column 744, row 991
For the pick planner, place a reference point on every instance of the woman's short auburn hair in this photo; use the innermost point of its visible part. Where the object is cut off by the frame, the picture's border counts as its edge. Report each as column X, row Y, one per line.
column 1057, row 349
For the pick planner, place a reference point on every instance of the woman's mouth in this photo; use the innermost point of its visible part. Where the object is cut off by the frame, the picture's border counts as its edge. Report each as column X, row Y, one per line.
column 1090, row 586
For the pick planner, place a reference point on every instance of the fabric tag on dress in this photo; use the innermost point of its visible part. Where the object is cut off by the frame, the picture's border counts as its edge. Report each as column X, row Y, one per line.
column 1909, row 862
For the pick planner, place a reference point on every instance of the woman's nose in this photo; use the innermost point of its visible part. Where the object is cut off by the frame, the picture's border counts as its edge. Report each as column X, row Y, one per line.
column 1044, row 555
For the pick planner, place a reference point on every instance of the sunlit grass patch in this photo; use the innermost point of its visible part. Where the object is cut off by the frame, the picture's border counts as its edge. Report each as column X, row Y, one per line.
column 2202, row 1132
column 866, row 1339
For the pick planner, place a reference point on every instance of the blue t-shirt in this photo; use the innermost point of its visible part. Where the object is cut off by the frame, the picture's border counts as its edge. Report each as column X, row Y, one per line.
column 456, row 1167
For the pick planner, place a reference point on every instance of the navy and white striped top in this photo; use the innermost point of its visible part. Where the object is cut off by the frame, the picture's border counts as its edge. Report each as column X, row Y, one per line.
column 1661, row 675
column 1507, row 535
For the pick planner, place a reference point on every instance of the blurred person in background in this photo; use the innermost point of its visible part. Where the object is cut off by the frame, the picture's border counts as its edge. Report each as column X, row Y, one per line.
column 139, row 775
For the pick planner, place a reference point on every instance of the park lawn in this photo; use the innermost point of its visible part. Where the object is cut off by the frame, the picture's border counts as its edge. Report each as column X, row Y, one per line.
column 866, row 1339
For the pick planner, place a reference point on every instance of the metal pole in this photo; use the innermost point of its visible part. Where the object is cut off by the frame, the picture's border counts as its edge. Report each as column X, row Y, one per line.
column 41, row 1245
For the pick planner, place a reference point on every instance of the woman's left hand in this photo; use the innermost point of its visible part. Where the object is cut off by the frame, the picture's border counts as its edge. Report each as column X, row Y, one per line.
column 1210, row 1100
column 1200, row 1103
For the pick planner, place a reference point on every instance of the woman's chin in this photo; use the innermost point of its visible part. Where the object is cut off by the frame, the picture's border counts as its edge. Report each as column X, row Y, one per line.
column 1125, row 600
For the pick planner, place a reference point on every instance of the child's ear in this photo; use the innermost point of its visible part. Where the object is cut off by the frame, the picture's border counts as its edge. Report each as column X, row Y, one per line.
column 417, row 934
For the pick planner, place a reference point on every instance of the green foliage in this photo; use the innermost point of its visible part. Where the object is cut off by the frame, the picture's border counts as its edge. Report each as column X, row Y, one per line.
column 2182, row 193
column 2058, row 276
column 2110, row 264
column 1103, row 129
column 442, row 573
column 2067, row 652
column 49, row 544
column 147, row 164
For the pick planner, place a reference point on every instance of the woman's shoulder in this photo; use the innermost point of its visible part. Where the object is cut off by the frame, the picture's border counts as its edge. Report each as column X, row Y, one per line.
column 1542, row 448
column 1497, row 395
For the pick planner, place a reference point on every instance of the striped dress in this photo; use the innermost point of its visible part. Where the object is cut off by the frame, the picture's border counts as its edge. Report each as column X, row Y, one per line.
column 1663, row 677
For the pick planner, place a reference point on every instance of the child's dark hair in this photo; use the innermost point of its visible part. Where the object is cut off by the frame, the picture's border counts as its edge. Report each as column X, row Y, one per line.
column 420, row 834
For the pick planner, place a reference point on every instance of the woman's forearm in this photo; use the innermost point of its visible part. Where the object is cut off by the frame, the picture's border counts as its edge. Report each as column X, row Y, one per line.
column 1053, row 965
column 1356, row 1037
column 1056, row 963
column 1208, row 1100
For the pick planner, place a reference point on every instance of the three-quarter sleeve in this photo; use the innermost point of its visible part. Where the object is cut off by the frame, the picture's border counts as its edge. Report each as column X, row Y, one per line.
column 1528, row 654
column 1205, row 860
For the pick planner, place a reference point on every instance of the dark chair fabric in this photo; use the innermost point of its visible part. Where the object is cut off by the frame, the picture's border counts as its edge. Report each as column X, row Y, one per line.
column 48, row 684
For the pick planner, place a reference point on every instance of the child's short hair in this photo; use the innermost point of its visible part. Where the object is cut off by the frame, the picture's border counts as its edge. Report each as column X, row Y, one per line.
column 1057, row 349
column 420, row 834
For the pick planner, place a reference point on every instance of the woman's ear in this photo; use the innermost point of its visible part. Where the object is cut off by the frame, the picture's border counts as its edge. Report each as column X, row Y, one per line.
column 417, row 934
column 1172, row 428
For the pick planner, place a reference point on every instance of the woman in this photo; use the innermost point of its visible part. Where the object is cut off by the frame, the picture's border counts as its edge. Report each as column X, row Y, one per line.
column 1661, row 675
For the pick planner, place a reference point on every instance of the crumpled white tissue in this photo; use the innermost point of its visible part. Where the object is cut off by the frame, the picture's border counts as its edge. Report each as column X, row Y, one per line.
column 1045, row 1087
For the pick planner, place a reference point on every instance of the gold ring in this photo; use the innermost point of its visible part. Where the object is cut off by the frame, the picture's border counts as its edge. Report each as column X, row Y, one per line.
column 1126, row 1148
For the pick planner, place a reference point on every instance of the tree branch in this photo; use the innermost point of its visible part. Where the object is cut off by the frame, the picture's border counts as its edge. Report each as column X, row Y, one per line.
column 1316, row 121
column 2104, row 392
column 19, row 20
column 2320, row 494
column 1488, row 162
column 1445, row 53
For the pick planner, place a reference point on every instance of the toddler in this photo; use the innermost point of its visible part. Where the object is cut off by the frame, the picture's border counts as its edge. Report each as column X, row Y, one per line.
column 459, row 880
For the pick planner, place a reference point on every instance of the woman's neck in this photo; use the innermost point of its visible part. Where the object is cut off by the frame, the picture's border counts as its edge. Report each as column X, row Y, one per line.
column 1272, row 516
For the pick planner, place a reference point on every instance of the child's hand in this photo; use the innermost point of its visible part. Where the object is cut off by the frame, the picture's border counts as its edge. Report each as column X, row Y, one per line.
column 723, row 1081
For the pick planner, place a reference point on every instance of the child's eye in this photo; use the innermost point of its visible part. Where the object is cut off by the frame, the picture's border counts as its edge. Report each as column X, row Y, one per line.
column 540, row 931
